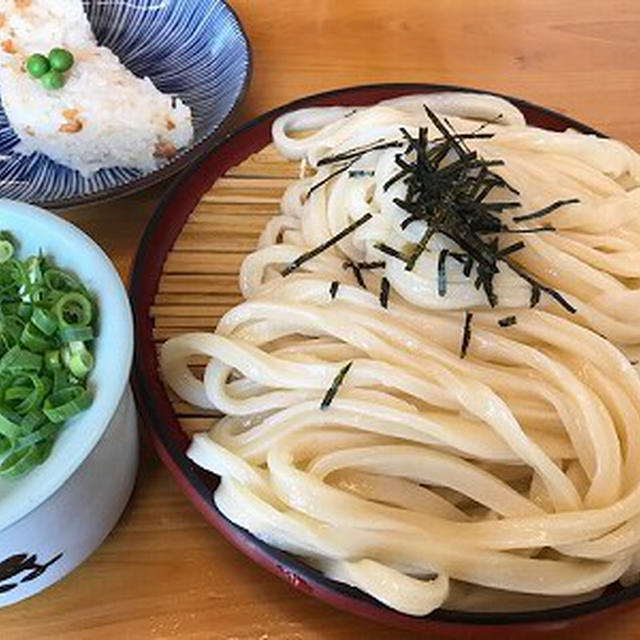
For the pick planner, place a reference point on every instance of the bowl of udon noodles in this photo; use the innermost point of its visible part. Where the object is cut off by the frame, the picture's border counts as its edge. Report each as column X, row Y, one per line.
column 387, row 344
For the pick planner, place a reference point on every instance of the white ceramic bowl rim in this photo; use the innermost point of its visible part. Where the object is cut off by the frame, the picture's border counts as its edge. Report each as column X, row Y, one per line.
column 71, row 249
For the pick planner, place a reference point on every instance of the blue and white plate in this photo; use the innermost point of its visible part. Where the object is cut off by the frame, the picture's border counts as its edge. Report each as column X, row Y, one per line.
column 195, row 49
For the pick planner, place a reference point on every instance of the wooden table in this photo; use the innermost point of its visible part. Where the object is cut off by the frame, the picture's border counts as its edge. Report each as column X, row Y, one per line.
column 163, row 573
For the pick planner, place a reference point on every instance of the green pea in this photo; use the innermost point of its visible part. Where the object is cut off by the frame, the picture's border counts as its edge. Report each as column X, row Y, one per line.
column 60, row 59
column 37, row 65
column 52, row 80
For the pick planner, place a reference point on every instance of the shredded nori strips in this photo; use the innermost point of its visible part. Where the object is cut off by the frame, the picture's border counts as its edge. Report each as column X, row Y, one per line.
column 546, row 210
column 508, row 321
column 451, row 199
column 358, row 152
column 335, row 385
column 309, row 255
column 390, row 251
column 442, row 274
column 384, row 292
column 329, row 177
column 466, row 333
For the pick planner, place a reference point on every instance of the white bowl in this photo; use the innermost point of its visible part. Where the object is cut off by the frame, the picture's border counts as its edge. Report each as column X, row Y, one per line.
column 54, row 518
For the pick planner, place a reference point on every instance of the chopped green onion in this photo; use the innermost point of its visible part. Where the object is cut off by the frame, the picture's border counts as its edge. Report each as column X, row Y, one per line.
column 66, row 403
column 23, row 460
column 76, row 334
column 19, row 360
column 13, row 278
column 44, row 320
column 61, row 281
column 52, row 360
column 24, row 311
column 32, row 421
column 33, row 267
column 51, row 296
column 29, row 391
column 60, row 379
column 44, row 432
column 38, row 294
column 10, row 424
column 11, row 328
column 5, row 445
column 47, row 322
column 16, row 393
column 80, row 364
column 6, row 251
column 78, row 359
column 34, row 340
column 73, row 310
column 10, row 308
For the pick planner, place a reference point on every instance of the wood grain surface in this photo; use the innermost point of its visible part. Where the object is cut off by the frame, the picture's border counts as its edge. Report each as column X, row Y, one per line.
column 163, row 573
column 199, row 281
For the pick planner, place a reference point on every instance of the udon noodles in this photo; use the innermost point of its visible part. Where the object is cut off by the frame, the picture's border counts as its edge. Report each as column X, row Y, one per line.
column 507, row 478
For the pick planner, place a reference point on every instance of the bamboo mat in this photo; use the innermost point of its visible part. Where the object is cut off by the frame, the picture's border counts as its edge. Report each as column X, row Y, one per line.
column 199, row 280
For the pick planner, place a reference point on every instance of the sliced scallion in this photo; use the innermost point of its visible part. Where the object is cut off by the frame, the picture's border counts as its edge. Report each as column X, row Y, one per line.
column 18, row 360
column 44, row 320
column 52, row 360
column 75, row 334
column 61, row 281
column 34, row 340
column 66, row 403
column 20, row 461
column 47, row 321
column 6, row 251
column 78, row 359
column 10, row 424
column 32, row 421
column 44, row 432
column 73, row 310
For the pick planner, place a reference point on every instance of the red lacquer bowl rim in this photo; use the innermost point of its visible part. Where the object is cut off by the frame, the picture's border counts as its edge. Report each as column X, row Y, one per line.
column 171, row 442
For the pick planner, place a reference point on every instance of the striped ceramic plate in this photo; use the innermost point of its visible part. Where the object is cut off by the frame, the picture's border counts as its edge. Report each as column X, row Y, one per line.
column 195, row 49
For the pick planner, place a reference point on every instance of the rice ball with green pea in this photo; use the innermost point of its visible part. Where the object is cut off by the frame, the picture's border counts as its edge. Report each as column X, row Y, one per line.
column 50, row 70
column 86, row 111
